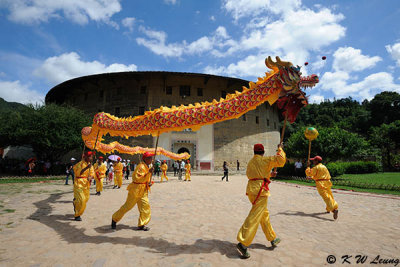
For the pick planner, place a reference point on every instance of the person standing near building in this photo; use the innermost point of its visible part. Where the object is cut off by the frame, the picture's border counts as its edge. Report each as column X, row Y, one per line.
column 84, row 172
column 258, row 172
column 100, row 169
column 138, row 194
column 188, row 171
column 298, row 168
column 320, row 174
column 237, row 165
column 118, row 169
column 128, row 169
column 225, row 167
column 176, row 165
column 157, row 169
column 164, row 168
column 70, row 170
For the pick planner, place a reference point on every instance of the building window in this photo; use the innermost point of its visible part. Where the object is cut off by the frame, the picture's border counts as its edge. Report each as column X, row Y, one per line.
column 141, row 110
column 244, row 117
column 267, row 122
column 85, row 97
column 275, row 125
column 257, row 121
column 184, row 90
column 168, row 90
column 199, row 91
column 223, row 94
column 143, row 90
column 117, row 111
column 101, row 94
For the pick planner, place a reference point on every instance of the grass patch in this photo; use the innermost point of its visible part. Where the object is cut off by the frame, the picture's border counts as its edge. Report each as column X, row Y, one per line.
column 10, row 180
column 374, row 178
column 9, row 210
column 356, row 189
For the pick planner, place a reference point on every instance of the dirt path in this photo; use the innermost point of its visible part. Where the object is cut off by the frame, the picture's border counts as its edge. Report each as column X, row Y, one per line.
column 193, row 224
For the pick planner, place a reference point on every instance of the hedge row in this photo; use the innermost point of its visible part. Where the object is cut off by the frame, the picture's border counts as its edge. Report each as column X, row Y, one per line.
column 337, row 168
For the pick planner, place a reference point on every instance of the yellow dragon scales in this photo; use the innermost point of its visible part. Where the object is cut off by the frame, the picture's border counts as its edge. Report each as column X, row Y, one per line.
column 283, row 84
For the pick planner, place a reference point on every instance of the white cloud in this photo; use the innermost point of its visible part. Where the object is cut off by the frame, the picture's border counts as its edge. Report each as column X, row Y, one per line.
column 14, row 91
column 350, row 59
column 156, row 42
column 170, row 2
column 128, row 23
column 394, row 51
column 253, row 8
column 67, row 66
column 212, row 18
column 339, row 83
column 316, row 99
column 250, row 66
column 37, row 11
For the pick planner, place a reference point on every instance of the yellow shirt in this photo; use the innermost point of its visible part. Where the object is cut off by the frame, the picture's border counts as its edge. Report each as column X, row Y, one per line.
column 118, row 167
column 260, row 167
column 100, row 170
column 320, row 172
column 164, row 167
column 82, row 182
column 140, row 178
column 187, row 167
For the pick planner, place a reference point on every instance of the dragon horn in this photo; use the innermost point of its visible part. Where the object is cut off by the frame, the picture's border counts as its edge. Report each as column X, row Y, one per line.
column 283, row 63
column 269, row 63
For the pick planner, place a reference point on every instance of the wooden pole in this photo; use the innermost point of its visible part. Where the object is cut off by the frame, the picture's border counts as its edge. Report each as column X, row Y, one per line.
column 309, row 153
column 155, row 154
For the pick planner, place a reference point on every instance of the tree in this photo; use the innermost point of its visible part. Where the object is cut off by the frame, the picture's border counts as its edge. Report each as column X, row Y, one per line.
column 332, row 144
column 387, row 138
column 384, row 108
column 50, row 130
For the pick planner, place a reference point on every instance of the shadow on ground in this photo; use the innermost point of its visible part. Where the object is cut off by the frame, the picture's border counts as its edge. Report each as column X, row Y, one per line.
column 73, row 234
column 316, row 215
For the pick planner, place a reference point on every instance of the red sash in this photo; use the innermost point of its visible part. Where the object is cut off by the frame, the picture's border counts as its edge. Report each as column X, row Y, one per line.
column 263, row 186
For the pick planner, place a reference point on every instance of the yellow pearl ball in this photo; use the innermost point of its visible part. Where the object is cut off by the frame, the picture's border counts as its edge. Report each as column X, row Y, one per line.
column 311, row 133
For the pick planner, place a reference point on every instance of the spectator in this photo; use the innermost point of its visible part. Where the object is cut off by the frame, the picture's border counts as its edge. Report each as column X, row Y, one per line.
column 70, row 170
column 225, row 167
column 298, row 168
column 237, row 164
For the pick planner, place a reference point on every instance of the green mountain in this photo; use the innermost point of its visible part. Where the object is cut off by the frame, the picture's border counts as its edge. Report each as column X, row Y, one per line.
column 6, row 106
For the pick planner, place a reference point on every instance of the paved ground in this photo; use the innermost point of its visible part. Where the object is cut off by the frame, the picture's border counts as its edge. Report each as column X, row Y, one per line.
column 193, row 224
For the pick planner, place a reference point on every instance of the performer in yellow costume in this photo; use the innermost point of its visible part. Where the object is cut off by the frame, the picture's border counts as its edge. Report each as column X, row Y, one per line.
column 118, row 172
column 259, row 172
column 100, row 170
column 138, row 194
column 187, row 174
column 84, row 173
column 320, row 174
column 164, row 168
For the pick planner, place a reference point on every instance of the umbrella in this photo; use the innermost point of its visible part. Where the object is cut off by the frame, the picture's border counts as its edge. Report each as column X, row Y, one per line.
column 114, row 157
column 30, row 160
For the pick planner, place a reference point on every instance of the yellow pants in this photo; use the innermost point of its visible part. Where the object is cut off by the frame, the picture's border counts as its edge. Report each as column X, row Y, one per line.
column 258, row 214
column 118, row 179
column 81, row 197
column 99, row 185
column 143, row 207
column 187, row 176
column 327, row 196
column 164, row 175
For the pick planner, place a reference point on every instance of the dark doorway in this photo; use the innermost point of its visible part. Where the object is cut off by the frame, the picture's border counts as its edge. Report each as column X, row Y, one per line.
column 183, row 150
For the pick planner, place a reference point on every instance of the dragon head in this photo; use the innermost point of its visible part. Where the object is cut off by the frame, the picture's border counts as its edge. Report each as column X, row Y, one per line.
column 290, row 76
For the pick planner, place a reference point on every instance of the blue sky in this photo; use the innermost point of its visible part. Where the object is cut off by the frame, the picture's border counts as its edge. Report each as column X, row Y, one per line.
column 46, row 42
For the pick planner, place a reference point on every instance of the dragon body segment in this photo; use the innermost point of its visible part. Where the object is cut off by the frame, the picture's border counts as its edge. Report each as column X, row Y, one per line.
column 282, row 82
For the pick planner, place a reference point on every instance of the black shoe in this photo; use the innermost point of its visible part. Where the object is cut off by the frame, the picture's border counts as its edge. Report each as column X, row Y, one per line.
column 335, row 214
column 143, row 228
column 119, row 187
column 114, row 187
column 78, row 218
column 242, row 251
column 113, row 224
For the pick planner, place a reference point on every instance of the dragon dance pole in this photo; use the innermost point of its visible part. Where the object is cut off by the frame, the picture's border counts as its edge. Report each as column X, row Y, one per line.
column 311, row 134
column 282, row 135
column 155, row 153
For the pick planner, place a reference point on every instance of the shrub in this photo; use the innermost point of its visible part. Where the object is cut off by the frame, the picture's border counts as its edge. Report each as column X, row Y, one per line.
column 355, row 167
